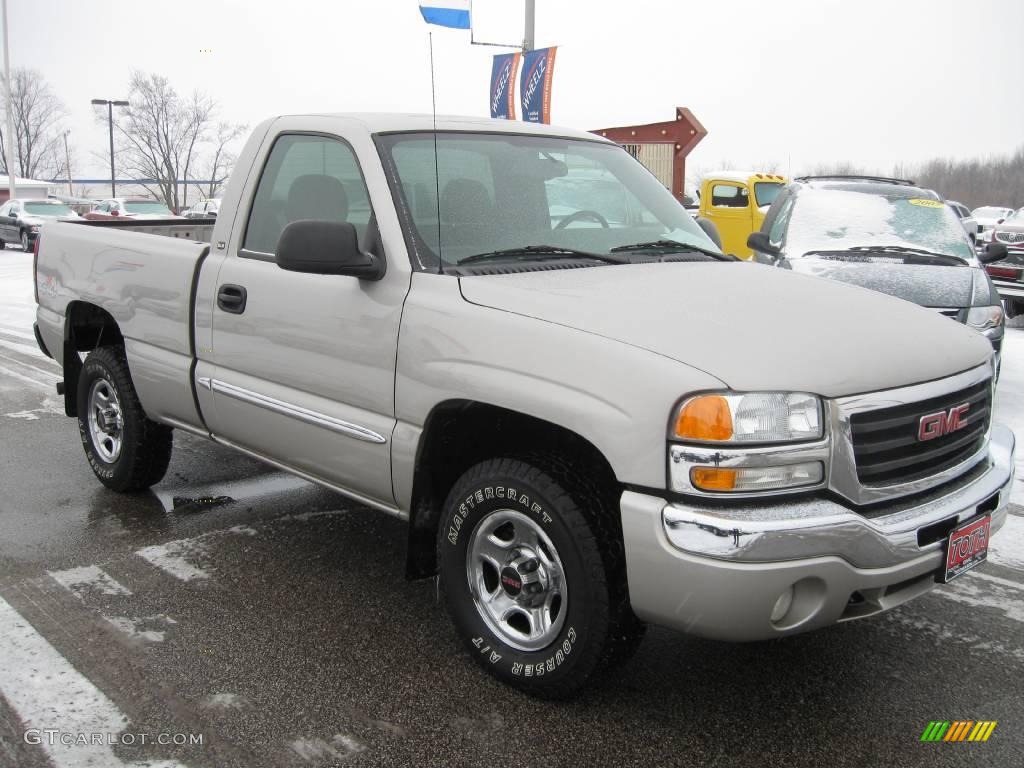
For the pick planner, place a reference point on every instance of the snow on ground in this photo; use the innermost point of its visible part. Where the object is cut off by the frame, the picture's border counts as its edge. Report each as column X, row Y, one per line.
column 1007, row 547
column 17, row 300
column 1010, row 401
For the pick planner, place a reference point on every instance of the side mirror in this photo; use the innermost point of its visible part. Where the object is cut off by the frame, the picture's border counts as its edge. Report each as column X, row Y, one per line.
column 759, row 242
column 993, row 252
column 115, row 212
column 325, row 248
column 710, row 230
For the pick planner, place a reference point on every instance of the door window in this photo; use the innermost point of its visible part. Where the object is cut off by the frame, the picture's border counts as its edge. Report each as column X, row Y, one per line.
column 306, row 177
column 728, row 196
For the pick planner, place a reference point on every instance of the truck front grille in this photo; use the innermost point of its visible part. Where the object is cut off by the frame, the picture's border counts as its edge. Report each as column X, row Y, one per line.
column 887, row 443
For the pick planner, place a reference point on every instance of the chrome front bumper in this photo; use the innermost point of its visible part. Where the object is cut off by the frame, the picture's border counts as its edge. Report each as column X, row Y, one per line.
column 719, row 570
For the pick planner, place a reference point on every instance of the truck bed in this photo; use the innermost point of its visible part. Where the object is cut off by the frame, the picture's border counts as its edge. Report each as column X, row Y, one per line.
column 197, row 230
column 143, row 274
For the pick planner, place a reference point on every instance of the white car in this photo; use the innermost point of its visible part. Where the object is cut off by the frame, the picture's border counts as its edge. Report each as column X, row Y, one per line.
column 988, row 216
column 204, row 209
column 966, row 218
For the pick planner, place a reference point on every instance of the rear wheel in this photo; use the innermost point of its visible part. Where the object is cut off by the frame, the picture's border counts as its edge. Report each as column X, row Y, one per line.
column 533, row 576
column 126, row 450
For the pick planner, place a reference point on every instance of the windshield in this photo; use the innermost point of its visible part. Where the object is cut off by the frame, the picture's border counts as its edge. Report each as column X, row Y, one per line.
column 48, row 209
column 502, row 191
column 835, row 220
column 991, row 212
column 146, row 207
column 765, row 192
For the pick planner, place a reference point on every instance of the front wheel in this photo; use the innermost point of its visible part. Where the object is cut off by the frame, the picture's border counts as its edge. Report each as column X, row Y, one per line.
column 126, row 450
column 24, row 242
column 533, row 576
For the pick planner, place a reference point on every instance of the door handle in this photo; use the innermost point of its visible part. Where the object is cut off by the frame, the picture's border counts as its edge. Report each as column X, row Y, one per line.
column 231, row 298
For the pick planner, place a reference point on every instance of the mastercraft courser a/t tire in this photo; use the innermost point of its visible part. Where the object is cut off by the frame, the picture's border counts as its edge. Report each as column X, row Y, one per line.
column 126, row 450
column 533, row 574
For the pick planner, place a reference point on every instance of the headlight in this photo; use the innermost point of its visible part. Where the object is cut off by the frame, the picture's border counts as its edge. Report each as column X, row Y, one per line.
column 756, row 417
column 983, row 318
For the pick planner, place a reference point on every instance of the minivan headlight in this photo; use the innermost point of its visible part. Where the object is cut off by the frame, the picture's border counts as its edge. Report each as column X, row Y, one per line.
column 983, row 318
column 753, row 417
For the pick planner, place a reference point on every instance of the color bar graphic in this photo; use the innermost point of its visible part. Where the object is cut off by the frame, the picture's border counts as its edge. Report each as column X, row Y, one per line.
column 958, row 730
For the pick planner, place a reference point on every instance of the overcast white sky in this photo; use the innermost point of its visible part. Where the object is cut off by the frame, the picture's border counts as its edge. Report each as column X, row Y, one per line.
column 795, row 82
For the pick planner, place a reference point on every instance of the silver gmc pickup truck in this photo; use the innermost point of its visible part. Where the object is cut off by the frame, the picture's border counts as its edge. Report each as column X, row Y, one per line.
column 513, row 337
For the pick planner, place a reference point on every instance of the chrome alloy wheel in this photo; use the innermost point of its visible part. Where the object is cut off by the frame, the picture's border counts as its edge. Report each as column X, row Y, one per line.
column 517, row 580
column 106, row 426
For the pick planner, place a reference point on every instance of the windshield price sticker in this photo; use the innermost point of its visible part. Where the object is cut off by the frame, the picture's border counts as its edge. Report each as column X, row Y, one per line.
column 925, row 203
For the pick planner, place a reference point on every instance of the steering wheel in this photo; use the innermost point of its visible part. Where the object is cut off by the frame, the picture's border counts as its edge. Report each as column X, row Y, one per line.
column 582, row 214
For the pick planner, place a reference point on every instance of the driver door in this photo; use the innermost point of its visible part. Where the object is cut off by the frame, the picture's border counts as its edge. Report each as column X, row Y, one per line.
column 305, row 363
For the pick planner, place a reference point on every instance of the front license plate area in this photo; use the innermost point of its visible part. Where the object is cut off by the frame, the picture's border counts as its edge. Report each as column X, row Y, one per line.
column 967, row 547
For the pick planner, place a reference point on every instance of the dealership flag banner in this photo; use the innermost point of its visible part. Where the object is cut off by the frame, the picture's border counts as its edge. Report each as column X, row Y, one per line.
column 503, row 85
column 535, row 85
column 446, row 13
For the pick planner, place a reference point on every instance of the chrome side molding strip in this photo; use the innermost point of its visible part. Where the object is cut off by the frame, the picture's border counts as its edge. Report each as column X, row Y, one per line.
column 294, row 411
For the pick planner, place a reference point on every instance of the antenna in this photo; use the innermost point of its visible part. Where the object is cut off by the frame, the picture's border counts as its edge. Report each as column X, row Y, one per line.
column 437, row 173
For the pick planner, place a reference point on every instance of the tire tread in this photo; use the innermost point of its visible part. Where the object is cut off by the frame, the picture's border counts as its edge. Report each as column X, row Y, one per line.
column 148, row 451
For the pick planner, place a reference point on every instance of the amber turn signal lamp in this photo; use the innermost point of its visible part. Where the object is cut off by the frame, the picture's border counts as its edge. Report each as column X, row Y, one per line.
column 713, row 479
column 705, row 418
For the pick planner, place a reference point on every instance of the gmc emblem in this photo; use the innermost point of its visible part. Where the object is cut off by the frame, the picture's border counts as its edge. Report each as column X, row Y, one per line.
column 942, row 423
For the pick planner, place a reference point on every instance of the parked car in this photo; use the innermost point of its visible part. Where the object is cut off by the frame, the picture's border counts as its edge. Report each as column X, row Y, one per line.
column 736, row 202
column 987, row 217
column 1008, row 273
column 967, row 220
column 204, row 209
column 20, row 220
column 885, row 234
column 586, row 424
column 130, row 208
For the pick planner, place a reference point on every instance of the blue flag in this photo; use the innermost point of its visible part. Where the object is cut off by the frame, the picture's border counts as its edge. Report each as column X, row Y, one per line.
column 446, row 13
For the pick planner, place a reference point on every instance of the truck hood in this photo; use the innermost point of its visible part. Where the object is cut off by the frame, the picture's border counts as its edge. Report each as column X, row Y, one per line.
column 924, row 284
column 753, row 327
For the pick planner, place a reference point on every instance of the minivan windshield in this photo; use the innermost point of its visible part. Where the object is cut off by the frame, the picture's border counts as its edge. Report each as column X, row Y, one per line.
column 485, row 193
column 48, row 209
column 843, row 219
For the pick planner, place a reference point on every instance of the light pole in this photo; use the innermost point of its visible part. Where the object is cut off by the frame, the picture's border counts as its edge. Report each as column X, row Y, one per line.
column 67, row 155
column 110, row 122
column 9, row 160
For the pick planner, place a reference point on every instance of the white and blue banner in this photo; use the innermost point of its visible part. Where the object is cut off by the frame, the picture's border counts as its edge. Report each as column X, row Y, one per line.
column 446, row 13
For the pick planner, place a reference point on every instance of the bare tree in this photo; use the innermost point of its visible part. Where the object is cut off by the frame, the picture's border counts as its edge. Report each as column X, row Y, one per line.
column 37, row 114
column 159, row 135
column 222, row 158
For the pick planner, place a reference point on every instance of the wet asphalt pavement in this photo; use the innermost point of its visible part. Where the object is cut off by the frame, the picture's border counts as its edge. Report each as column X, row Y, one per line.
column 274, row 621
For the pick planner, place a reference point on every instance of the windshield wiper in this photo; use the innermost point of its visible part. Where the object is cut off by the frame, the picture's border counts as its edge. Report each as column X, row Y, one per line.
column 674, row 245
column 902, row 249
column 549, row 251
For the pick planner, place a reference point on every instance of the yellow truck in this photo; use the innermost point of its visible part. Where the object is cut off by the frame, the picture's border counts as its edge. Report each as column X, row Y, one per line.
column 736, row 202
